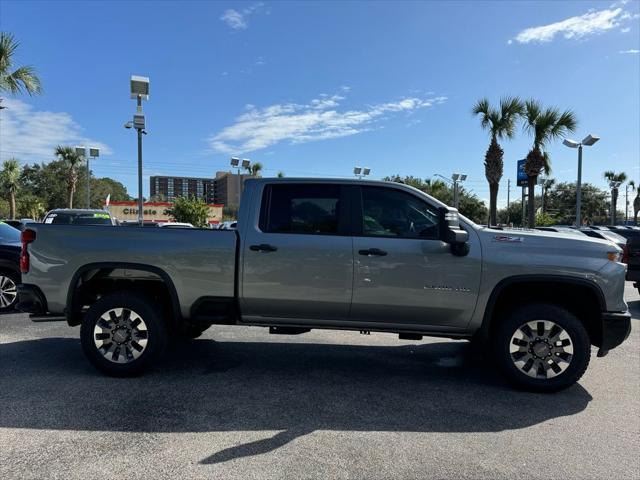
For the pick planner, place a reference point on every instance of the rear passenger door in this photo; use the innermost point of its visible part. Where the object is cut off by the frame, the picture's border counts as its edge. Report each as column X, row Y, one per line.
column 297, row 259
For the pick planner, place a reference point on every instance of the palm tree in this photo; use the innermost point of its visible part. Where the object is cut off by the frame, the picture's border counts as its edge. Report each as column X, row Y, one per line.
column 615, row 179
column 72, row 160
column 254, row 169
column 280, row 175
column 546, row 186
column 9, row 176
column 501, row 125
column 22, row 78
column 545, row 125
column 631, row 184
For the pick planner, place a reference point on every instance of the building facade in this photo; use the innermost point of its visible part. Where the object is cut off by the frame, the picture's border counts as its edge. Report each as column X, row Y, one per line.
column 225, row 188
column 168, row 188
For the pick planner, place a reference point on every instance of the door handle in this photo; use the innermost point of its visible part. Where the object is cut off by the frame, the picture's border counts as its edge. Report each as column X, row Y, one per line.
column 263, row 247
column 373, row 252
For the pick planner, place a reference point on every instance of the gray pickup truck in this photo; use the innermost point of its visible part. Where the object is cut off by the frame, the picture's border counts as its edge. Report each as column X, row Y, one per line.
column 334, row 254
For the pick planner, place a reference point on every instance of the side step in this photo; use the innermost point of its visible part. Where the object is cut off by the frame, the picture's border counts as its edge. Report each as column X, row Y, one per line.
column 409, row 336
column 47, row 318
column 288, row 330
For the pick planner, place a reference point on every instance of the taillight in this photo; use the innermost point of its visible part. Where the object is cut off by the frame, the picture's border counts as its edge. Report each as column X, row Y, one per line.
column 625, row 253
column 26, row 237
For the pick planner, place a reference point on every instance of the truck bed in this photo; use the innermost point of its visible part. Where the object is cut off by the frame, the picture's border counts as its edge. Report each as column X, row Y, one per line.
column 199, row 262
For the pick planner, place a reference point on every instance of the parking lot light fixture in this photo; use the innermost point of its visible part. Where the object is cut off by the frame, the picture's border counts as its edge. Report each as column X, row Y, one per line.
column 457, row 178
column 589, row 140
column 139, row 89
column 361, row 172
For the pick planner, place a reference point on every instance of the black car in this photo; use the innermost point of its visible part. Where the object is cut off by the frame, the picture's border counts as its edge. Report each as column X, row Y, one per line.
column 631, row 254
column 9, row 266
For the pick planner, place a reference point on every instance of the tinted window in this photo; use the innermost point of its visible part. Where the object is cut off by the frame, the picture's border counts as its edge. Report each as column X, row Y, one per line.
column 302, row 208
column 8, row 234
column 392, row 213
column 68, row 218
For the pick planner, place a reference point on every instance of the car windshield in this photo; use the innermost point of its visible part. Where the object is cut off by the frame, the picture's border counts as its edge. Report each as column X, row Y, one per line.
column 8, row 234
column 79, row 218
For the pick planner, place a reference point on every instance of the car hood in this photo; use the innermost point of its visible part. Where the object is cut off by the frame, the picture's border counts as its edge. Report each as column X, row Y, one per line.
column 538, row 239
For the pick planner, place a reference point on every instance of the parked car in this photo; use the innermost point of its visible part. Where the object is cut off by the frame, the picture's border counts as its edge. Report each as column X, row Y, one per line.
column 631, row 254
column 228, row 225
column 78, row 216
column 18, row 224
column 9, row 266
column 606, row 235
column 338, row 254
column 135, row 223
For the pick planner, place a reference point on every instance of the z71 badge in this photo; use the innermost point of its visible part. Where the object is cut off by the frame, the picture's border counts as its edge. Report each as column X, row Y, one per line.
column 508, row 239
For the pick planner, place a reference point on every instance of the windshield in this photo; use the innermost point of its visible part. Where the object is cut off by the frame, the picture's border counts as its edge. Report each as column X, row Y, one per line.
column 8, row 234
column 79, row 218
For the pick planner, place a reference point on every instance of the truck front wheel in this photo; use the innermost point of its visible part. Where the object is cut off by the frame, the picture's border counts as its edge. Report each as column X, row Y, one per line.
column 122, row 334
column 542, row 348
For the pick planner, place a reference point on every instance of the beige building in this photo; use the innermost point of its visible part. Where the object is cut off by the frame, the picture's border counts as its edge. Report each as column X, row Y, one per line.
column 155, row 211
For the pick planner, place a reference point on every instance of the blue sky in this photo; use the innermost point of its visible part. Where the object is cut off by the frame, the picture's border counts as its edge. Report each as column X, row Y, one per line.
column 316, row 88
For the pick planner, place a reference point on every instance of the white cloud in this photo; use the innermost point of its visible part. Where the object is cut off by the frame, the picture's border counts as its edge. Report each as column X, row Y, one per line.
column 319, row 119
column 631, row 51
column 238, row 19
column 32, row 135
column 591, row 23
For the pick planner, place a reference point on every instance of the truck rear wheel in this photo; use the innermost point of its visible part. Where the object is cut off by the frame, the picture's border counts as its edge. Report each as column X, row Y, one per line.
column 122, row 334
column 542, row 348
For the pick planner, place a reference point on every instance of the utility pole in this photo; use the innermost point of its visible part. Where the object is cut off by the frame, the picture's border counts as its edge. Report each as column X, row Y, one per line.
column 626, row 204
column 508, row 198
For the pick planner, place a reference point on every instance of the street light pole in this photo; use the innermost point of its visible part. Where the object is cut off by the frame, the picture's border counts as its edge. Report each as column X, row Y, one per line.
column 139, row 91
column 589, row 140
column 140, row 199
column 579, row 190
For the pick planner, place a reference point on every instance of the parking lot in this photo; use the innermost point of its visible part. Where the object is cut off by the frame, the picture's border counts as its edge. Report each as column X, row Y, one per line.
column 239, row 403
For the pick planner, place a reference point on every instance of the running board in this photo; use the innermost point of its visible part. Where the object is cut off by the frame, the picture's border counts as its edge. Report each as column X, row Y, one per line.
column 47, row 318
column 288, row 330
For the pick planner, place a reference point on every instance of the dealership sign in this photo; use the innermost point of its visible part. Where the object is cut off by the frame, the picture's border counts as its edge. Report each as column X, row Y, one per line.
column 523, row 178
column 155, row 211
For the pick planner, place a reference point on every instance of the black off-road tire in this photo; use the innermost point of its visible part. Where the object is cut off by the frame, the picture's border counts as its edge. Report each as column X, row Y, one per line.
column 153, row 321
column 573, row 327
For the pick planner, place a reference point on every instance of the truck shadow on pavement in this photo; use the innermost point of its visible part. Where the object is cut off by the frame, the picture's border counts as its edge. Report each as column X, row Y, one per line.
column 292, row 388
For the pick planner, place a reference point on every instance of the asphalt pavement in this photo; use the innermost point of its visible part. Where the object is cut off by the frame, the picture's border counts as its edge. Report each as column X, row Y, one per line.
column 240, row 403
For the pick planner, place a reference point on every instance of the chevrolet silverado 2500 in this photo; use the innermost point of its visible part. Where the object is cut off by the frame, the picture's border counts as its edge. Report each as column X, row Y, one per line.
column 334, row 254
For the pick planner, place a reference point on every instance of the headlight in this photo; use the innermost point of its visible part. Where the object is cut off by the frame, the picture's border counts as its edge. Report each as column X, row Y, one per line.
column 614, row 256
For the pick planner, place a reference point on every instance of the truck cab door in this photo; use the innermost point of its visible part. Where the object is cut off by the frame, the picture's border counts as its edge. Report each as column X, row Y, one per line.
column 298, row 257
column 404, row 274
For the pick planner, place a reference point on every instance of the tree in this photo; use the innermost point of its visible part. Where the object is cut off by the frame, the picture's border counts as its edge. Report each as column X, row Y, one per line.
column 280, row 175
column 30, row 206
column 72, row 160
column 22, row 78
column 615, row 180
column 9, row 178
column 468, row 204
column 254, row 169
column 501, row 125
column 545, row 125
column 190, row 210
column 546, row 186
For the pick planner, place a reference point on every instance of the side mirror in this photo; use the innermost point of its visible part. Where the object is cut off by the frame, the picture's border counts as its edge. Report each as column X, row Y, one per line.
column 451, row 233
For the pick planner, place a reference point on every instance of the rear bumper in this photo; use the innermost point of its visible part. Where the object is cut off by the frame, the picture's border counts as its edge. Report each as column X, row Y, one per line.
column 31, row 300
column 616, row 327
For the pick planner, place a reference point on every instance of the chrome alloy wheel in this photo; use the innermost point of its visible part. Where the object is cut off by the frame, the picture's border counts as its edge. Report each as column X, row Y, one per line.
column 541, row 349
column 8, row 292
column 120, row 335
